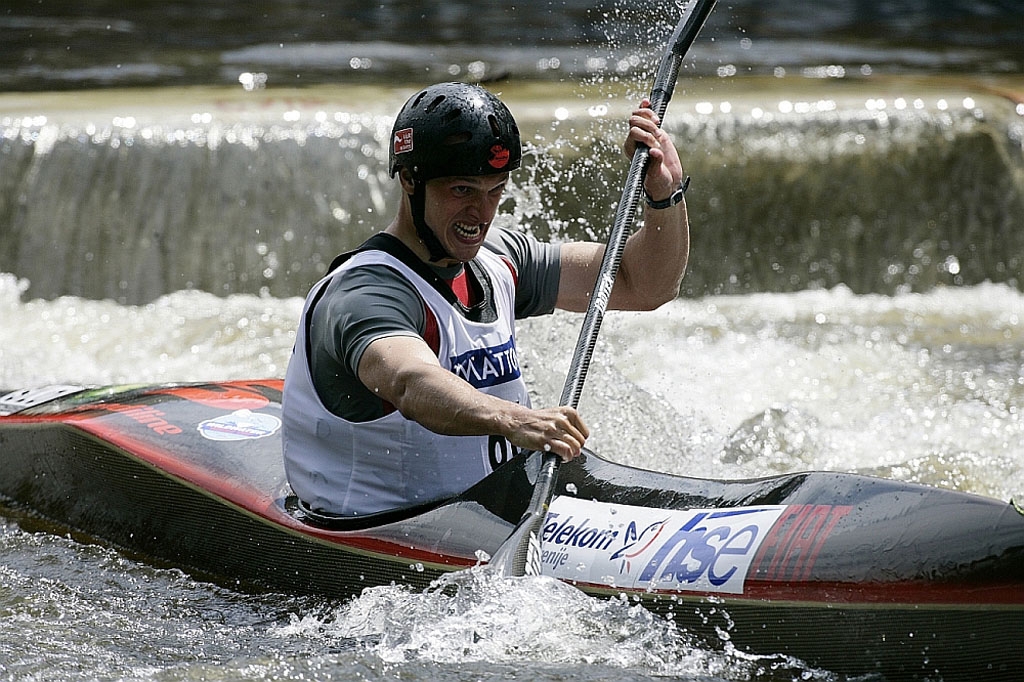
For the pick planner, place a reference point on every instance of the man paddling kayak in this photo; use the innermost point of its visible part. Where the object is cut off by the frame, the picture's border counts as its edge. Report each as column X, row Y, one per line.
column 404, row 387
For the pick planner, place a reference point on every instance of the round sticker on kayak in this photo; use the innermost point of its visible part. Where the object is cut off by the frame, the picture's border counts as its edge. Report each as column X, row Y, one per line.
column 240, row 425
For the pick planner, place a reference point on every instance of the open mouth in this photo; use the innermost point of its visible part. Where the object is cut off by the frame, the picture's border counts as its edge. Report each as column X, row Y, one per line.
column 468, row 232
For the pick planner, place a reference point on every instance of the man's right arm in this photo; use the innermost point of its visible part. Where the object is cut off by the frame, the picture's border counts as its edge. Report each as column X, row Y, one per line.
column 404, row 371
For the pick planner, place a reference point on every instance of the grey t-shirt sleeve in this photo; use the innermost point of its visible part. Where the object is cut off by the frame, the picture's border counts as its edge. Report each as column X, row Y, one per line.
column 367, row 304
column 537, row 268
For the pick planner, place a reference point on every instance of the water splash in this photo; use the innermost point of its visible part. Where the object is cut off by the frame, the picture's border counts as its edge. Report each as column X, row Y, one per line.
column 471, row 617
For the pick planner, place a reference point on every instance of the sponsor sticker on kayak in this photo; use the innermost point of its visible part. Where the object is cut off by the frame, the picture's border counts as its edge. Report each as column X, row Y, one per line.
column 240, row 425
column 700, row 550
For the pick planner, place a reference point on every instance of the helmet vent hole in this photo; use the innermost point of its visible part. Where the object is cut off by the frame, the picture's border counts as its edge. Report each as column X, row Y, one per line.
column 493, row 120
column 435, row 103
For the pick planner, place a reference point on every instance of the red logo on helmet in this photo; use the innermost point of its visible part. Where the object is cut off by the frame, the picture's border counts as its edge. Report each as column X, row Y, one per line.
column 403, row 141
column 499, row 156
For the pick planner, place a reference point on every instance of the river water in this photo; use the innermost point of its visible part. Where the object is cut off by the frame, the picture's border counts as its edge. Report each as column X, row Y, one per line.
column 58, row 46
column 853, row 303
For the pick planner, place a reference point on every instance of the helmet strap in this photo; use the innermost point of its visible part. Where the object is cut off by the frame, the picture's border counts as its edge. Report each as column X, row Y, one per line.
column 418, row 203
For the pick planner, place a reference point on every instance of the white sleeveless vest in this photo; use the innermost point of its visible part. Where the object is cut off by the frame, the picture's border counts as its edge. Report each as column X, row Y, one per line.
column 356, row 468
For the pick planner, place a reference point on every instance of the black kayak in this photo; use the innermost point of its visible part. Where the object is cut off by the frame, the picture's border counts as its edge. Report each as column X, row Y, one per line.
column 849, row 573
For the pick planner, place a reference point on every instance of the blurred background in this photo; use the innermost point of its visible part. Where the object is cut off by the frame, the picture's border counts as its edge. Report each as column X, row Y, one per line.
column 59, row 45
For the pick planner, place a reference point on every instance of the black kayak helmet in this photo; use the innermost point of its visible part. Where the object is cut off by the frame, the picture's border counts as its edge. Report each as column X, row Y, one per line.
column 451, row 129
column 454, row 129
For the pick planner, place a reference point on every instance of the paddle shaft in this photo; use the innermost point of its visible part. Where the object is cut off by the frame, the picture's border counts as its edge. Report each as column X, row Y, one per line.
column 520, row 553
column 661, row 92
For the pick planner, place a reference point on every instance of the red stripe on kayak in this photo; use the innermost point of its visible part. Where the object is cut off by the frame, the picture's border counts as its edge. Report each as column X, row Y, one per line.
column 259, row 504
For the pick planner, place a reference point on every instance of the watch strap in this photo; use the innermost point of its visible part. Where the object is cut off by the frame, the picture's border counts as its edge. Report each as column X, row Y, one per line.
column 672, row 200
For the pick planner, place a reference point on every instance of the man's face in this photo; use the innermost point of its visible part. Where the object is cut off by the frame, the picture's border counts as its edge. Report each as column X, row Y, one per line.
column 460, row 209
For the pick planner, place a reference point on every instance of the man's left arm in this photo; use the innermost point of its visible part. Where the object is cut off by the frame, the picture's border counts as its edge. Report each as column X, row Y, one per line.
column 656, row 255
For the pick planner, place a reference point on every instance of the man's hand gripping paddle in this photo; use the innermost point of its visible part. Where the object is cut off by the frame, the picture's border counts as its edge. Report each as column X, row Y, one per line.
column 520, row 554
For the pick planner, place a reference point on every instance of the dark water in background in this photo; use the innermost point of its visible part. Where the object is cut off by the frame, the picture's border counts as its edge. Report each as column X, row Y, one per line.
column 51, row 45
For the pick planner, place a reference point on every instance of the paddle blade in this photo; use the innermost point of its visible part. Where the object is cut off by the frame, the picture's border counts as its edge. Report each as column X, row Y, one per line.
column 520, row 554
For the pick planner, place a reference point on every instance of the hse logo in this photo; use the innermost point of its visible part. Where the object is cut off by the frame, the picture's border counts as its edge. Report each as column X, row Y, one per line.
column 705, row 550
column 488, row 366
column 710, row 546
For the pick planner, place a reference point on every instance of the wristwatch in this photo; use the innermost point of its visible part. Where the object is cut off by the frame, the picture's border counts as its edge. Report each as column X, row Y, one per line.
column 673, row 198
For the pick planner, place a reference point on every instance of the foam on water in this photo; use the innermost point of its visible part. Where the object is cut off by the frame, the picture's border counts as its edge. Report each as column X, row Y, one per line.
column 923, row 387
column 184, row 336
